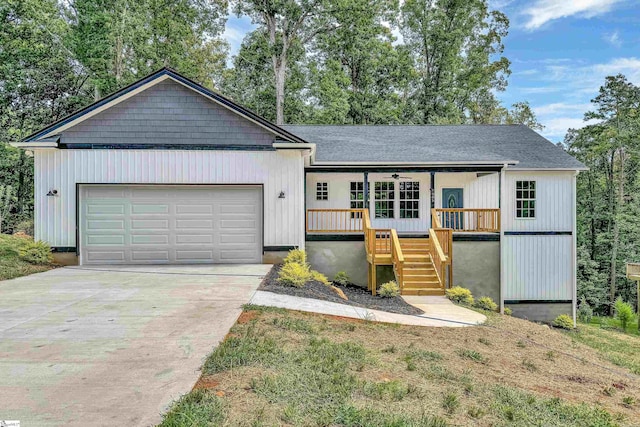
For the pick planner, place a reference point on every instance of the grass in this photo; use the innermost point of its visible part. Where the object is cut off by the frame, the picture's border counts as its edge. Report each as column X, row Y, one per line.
column 278, row 367
column 11, row 266
column 616, row 347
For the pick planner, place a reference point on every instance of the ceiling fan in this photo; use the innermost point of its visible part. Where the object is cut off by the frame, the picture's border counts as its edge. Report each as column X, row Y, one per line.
column 397, row 176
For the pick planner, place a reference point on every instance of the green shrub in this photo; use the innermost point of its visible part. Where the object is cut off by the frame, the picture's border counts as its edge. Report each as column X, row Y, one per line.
column 294, row 274
column 624, row 313
column 297, row 256
column 36, row 253
column 319, row 277
column 564, row 321
column 486, row 303
column 585, row 312
column 25, row 227
column 389, row 290
column 460, row 295
column 341, row 278
column 508, row 311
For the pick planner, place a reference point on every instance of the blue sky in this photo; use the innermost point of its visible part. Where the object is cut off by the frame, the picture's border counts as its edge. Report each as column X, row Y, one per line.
column 560, row 52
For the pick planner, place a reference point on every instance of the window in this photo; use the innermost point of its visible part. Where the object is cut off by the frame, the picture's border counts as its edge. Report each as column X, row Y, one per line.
column 384, row 197
column 409, row 199
column 525, row 199
column 356, row 198
column 322, row 191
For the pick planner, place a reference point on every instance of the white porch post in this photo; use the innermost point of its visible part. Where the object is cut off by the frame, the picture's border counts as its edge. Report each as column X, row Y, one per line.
column 501, row 197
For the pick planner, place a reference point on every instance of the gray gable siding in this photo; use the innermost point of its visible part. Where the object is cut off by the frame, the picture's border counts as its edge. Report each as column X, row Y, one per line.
column 167, row 114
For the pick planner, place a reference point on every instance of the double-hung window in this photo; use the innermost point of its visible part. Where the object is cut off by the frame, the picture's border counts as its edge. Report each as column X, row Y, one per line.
column 356, row 198
column 384, row 199
column 525, row 199
column 409, row 199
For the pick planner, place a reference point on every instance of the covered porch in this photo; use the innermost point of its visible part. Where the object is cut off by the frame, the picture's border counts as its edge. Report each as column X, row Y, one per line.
column 407, row 219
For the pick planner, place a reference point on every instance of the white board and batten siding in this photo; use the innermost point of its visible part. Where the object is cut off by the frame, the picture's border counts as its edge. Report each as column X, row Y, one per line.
column 538, row 255
column 274, row 171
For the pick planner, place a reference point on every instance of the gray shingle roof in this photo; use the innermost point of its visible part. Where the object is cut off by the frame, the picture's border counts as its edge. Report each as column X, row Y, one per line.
column 432, row 144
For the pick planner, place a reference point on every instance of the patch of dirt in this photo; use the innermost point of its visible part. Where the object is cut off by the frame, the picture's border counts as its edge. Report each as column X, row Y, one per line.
column 357, row 296
column 207, row 383
column 247, row 316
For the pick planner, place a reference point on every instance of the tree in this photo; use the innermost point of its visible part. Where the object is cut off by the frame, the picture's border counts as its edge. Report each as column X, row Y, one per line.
column 453, row 43
column 285, row 24
column 608, row 204
column 358, row 75
column 119, row 41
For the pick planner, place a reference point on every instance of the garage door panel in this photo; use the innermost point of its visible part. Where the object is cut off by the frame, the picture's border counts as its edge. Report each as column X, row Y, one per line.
column 170, row 224
column 105, row 239
column 149, row 209
column 149, row 239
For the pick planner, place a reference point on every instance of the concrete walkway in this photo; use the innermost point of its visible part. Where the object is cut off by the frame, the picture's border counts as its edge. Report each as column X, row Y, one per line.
column 439, row 311
column 97, row 346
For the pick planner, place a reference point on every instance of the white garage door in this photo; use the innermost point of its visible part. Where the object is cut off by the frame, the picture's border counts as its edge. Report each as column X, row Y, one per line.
column 129, row 224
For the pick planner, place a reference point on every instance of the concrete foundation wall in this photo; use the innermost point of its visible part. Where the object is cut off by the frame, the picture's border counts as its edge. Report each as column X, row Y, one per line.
column 65, row 258
column 540, row 312
column 476, row 266
column 330, row 257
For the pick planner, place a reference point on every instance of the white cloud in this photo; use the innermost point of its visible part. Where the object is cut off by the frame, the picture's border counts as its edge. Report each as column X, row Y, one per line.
column 560, row 108
column 543, row 11
column 613, row 38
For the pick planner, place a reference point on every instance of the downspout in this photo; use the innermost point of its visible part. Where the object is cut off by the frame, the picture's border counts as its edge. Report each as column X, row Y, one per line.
column 574, row 254
column 432, row 196
column 501, row 197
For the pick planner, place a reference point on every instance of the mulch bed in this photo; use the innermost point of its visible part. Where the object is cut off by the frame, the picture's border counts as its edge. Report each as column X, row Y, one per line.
column 358, row 296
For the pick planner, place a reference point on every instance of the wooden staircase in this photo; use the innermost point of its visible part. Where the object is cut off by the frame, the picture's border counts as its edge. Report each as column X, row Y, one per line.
column 419, row 273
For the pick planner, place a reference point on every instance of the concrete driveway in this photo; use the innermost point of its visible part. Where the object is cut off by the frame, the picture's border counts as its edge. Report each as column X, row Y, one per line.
column 112, row 345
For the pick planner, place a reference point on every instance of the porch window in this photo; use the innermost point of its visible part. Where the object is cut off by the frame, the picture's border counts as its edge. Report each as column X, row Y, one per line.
column 525, row 199
column 384, row 197
column 322, row 191
column 356, row 198
column 409, row 199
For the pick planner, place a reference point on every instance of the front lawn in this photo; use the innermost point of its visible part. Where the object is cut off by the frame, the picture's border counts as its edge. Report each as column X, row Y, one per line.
column 604, row 336
column 11, row 265
column 283, row 367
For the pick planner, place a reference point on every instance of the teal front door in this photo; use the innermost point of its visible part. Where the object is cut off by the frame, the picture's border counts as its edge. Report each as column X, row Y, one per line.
column 452, row 198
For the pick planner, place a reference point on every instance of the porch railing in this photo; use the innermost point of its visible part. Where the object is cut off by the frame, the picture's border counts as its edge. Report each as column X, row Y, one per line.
column 467, row 220
column 334, row 221
column 397, row 259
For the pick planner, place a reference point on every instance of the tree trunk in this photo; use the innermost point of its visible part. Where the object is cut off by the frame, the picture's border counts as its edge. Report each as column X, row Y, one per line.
column 280, row 72
column 616, row 233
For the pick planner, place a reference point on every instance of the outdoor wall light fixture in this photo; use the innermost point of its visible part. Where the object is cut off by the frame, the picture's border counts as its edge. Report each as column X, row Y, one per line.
column 281, row 196
column 52, row 193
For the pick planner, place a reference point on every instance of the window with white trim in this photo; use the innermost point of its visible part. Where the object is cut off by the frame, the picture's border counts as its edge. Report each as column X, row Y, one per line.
column 525, row 199
column 322, row 191
column 409, row 199
column 356, row 198
column 384, row 199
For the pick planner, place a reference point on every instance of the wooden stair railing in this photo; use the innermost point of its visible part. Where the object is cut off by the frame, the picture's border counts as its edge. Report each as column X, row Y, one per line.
column 439, row 238
column 397, row 258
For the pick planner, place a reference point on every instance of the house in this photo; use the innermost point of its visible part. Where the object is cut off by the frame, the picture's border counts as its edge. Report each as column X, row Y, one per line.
column 166, row 171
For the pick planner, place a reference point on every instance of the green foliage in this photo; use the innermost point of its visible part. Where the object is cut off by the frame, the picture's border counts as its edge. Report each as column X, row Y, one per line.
column 294, row 274
column 201, row 407
column 298, row 256
column 564, row 321
column 585, row 312
column 389, row 290
column 11, row 264
column 37, row 252
column 319, row 277
column 341, row 278
column 623, row 312
column 472, row 355
column 460, row 295
column 508, row 311
column 486, row 303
